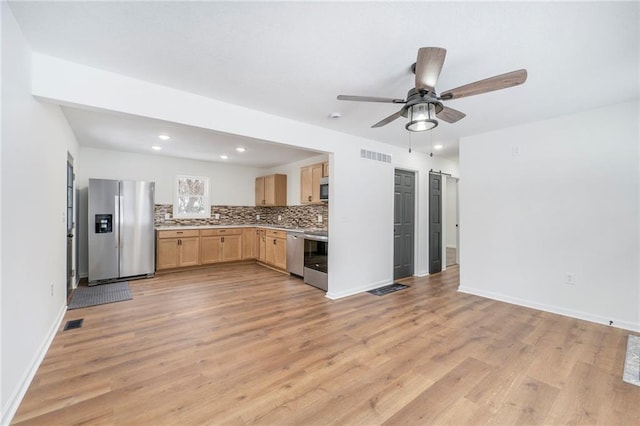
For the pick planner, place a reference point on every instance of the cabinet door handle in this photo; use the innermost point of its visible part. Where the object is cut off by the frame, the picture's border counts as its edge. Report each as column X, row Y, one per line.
column 178, row 232
column 223, row 239
column 274, row 241
column 309, row 197
column 179, row 242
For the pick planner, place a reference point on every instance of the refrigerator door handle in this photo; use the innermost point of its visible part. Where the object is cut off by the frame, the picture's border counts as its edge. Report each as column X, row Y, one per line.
column 116, row 221
column 120, row 221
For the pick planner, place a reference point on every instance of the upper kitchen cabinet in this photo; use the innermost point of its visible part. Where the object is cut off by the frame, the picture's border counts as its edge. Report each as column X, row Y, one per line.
column 271, row 190
column 310, row 182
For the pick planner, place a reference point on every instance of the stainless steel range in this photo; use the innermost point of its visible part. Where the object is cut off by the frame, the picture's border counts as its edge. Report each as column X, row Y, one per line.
column 316, row 245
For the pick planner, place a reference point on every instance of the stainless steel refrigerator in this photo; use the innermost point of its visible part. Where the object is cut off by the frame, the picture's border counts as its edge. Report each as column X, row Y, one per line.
column 121, row 231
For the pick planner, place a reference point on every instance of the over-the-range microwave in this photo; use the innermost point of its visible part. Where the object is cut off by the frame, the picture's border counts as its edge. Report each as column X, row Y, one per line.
column 324, row 189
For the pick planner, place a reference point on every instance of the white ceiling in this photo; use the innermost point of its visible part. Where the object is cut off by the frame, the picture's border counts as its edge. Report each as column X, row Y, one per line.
column 292, row 59
column 123, row 132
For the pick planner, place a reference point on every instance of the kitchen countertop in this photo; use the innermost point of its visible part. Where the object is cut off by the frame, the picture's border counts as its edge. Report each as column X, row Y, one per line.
column 267, row 226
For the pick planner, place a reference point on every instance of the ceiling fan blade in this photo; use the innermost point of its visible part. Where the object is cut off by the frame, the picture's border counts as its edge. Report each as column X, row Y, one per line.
column 428, row 66
column 490, row 84
column 388, row 120
column 370, row 99
column 450, row 115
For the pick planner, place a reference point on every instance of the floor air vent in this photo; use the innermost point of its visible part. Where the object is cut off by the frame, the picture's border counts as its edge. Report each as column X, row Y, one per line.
column 70, row 325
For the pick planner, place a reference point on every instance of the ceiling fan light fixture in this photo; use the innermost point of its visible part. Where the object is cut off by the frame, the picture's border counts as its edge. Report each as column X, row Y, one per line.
column 422, row 117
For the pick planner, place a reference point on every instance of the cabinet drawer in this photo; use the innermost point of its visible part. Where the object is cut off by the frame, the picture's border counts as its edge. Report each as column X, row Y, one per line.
column 276, row 234
column 220, row 232
column 178, row 234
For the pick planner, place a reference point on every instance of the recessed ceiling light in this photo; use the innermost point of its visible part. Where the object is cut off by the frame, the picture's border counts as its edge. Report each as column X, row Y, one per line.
column 240, row 149
column 224, row 157
column 439, row 146
column 156, row 148
column 165, row 137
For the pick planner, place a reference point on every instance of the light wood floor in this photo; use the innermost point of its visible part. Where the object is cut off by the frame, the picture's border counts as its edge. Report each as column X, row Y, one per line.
column 244, row 344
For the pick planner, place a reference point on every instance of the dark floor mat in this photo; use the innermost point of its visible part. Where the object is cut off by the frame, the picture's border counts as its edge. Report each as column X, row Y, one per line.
column 381, row 291
column 99, row 295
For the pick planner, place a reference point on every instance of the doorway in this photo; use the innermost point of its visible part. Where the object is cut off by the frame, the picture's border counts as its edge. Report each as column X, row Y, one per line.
column 70, row 225
column 403, row 223
column 451, row 233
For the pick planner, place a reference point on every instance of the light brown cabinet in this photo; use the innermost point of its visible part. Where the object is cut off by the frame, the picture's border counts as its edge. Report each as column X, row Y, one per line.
column 248, row 243
column 276, row 248
column 192, row 247
column 261, row 253
column 310, row 183
column 271, row 190
column 177, row 248
column 220, row 245
column 325, row 169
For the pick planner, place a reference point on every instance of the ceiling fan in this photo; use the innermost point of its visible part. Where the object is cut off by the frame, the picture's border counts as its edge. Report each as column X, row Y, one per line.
column 423, row 104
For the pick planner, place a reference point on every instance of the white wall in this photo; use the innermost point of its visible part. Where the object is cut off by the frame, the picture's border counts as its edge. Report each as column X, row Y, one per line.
column 230, row 185
column 35, row 141
column 451, row 211
column 545, row 199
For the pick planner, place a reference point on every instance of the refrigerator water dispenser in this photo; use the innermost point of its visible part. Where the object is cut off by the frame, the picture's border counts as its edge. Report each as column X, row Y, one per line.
column 104, row 223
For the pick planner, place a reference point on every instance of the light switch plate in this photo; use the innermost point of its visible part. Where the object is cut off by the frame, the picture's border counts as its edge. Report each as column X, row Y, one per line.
column 319, row 218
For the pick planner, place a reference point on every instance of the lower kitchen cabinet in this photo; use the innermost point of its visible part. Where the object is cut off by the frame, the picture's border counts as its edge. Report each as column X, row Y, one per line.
column 192, row 247
column 220, row 245
column 177, row 248
column 249, row 243
column 262, row 245
column 276, row 249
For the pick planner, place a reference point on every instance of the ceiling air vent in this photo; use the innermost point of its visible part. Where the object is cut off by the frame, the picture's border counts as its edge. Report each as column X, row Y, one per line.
column 376, row 156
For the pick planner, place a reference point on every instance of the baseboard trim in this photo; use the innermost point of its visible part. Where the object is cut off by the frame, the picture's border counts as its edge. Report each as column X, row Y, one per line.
column 616, row 322
column 10, row 408
column 361, row 289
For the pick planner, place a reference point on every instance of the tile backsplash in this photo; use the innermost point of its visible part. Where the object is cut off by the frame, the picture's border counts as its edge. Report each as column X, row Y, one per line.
column 304, row 216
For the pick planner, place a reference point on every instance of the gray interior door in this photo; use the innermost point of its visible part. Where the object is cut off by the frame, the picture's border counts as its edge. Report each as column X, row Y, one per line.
column 403, row 224
column 435, row 223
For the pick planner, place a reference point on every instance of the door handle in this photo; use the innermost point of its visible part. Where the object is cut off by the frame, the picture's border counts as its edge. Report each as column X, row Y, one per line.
column 69, row 235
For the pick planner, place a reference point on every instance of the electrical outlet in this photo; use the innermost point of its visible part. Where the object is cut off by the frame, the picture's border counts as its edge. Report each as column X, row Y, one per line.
column 257, row 217
column 319, row 218
column 167, row 216
column 279, row 218
column 570, row 278
column 216, row 216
